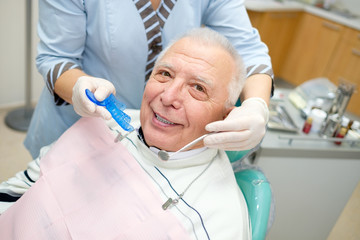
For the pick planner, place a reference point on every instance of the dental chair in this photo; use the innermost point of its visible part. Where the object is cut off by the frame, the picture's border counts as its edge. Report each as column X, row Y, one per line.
column 257, row 193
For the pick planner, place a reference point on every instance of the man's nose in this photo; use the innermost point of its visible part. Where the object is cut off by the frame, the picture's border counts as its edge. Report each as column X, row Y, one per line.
column 173, row 94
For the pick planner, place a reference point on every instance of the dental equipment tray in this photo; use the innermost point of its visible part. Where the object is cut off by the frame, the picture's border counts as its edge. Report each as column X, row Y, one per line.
column 280, row 119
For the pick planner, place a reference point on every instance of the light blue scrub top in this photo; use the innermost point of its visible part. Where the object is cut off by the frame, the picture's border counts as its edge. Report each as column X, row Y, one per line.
column 107, row 40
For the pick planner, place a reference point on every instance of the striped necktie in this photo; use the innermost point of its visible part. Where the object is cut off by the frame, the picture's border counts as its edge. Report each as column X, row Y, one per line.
column 153, row 22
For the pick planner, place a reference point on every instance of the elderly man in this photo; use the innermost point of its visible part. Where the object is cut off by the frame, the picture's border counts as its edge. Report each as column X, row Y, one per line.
column 84, row 191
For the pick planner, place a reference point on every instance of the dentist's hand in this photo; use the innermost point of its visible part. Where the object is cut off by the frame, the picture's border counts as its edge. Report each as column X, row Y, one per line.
column 242, row 129
column 82, row 105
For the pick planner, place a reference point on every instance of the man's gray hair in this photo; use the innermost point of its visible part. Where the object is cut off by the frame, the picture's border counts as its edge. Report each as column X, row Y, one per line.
column 212, row 38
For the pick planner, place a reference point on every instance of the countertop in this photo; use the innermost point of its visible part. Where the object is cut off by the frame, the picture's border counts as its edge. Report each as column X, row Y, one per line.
column 286, row 144
column 269, row 5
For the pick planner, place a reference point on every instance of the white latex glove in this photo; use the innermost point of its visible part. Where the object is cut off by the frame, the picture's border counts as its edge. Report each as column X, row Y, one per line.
column 82, row 105
column 242, row 129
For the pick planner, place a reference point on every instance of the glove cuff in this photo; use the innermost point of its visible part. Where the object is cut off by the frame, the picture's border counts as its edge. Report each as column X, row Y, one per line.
column 262, row 103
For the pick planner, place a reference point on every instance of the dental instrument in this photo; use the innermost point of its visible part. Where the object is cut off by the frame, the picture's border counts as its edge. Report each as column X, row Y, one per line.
column 164, row 155
column 115, row 107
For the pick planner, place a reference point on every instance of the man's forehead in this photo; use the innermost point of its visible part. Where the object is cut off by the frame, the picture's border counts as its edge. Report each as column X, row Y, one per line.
column 194, row 49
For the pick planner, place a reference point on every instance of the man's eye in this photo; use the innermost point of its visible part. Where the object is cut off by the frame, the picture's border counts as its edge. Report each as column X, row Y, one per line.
column 165, row 74
column 199, row 88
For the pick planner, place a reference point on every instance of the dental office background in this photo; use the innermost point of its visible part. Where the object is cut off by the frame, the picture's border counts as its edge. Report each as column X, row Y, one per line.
column 12, row 94
column 13, row 47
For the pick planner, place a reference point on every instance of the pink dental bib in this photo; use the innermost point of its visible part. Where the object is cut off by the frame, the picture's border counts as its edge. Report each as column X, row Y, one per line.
column 90, row 188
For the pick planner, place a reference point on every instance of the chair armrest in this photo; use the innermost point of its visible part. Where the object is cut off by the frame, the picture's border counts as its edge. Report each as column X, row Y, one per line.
column 257, row 193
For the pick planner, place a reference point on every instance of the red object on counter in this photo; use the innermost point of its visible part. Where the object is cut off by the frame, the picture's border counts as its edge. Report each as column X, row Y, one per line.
column 341, row 134
column 307, row 125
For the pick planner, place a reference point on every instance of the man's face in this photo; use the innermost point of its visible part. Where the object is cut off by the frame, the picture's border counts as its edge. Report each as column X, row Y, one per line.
column 187, row 90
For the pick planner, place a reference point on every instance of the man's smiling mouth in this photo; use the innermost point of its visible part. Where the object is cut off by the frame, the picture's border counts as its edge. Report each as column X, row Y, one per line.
column 163, row 120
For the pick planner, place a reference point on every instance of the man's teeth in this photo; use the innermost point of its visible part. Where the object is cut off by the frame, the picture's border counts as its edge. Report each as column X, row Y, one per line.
column 163, row 120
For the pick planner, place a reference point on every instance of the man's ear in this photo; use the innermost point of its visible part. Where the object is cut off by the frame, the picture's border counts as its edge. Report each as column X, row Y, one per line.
column 227, row 111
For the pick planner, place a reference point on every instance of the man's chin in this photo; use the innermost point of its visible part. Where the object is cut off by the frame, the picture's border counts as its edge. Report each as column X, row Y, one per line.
column 172, row 145
column 159, row 141
column 167, row 146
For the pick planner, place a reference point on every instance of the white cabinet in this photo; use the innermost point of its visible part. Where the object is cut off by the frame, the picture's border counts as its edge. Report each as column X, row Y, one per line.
column 310, row 194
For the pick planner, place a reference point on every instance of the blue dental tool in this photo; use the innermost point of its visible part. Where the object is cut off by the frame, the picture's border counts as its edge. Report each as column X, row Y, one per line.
column 115, row 107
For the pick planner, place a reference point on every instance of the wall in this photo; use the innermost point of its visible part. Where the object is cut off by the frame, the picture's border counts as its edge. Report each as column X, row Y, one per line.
column 13, row 49
column 352, row 6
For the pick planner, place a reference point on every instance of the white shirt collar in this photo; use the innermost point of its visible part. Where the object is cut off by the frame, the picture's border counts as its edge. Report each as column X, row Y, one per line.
column 180, row 155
